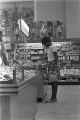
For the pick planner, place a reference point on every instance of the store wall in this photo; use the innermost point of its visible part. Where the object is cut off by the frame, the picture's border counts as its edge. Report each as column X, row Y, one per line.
column 67, row 11
column 13, row 0
column 64, row 10
column 50, row 10
column 11, row 4
column 73, row 18
column 44, row 9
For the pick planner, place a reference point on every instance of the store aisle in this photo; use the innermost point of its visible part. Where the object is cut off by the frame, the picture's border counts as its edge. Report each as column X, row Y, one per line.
column 66, row 108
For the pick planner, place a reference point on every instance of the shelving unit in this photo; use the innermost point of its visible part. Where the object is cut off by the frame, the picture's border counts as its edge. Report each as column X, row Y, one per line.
column 69, row 58
column 35, row 52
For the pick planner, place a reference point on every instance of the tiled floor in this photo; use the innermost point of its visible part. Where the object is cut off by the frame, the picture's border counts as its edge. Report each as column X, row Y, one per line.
column 66, row 108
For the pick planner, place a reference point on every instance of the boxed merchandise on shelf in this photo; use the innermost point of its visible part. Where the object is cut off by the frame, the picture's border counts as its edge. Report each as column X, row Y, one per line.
column 6, row 74
column 25, row 75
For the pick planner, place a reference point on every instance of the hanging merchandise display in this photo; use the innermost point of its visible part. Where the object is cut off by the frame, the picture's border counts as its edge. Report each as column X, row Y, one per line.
column 32, row 32
column 41, row 29
column 50, row 28
column 58, row 29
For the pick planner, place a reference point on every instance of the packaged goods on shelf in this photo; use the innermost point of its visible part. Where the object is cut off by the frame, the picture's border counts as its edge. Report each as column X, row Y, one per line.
column 40, row 52
column 35, row 45
column 18, row 76
column 6, row 72
column 76, row 72
column 29, row 74
column 33, row 52
column 72, row 71
column 2, row 78
column 79, row 72
column 61, row 73
column 67, row 72
column 35, row 58
column 28, row 63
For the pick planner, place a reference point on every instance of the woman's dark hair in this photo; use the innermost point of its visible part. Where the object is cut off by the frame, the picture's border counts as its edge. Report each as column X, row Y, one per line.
column 46, row 41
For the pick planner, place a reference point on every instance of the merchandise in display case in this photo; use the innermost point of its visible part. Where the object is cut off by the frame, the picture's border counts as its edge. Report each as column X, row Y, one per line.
column 32, row 58
column 19, row 68
column 35, row 52
column 6, row 73
column 19, row 78
column 24, row 73
column 14, row 74
column 69, row 59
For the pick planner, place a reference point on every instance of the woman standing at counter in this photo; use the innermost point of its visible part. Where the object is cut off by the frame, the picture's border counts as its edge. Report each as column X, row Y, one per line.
column 52, row 67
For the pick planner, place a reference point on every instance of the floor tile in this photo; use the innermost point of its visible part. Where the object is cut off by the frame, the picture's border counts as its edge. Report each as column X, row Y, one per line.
column 66, row 108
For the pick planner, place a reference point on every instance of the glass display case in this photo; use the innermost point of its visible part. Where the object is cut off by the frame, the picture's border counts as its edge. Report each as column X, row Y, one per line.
column 14, row 64
column 23, row 73
column 10, row 74
column 68, row 61
column 6, row 73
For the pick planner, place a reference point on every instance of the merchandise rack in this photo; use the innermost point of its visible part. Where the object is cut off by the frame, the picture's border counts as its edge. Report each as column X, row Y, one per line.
column 69, row 59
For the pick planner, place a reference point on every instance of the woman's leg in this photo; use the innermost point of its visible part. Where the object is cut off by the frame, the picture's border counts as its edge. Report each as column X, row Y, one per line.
column 54, row 90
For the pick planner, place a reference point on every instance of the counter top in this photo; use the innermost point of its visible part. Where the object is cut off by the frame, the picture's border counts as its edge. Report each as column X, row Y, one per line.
column 18, row 101
column 16, row 88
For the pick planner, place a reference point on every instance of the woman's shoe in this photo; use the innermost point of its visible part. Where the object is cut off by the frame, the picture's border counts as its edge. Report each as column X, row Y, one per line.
column 51, row 100
column 54, row 99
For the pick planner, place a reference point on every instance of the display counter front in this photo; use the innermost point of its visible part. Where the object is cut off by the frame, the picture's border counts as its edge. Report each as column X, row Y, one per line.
column 18, row 101
column 63, row 82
